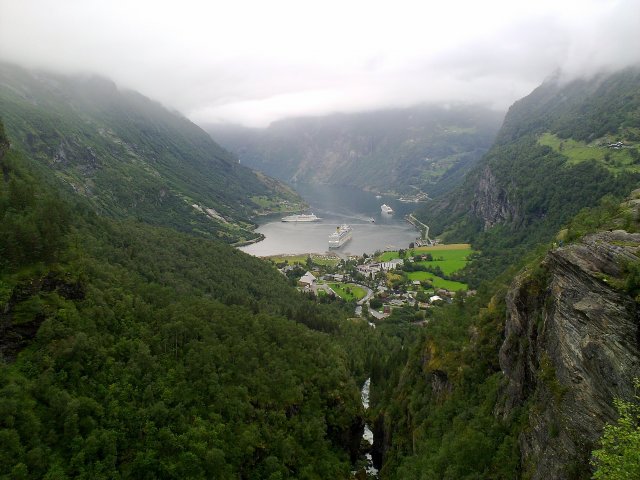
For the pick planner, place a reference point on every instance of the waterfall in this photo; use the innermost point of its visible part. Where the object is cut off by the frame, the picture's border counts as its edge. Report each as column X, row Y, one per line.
column 372, row 472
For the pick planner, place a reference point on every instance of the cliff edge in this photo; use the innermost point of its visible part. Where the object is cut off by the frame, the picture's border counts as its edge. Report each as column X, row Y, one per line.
column 571, row 346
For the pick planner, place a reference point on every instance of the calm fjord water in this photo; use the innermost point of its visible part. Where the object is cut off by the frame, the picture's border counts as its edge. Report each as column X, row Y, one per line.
column 337, row 205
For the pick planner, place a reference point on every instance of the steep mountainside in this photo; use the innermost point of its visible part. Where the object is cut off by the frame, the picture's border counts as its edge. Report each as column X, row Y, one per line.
column 133, row 158
column 425, row 148
column 134, row 351
column 572, row 345
column 519, row 383
column 554, row 155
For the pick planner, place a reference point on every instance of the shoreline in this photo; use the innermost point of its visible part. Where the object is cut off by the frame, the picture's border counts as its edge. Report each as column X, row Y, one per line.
column 292, row 249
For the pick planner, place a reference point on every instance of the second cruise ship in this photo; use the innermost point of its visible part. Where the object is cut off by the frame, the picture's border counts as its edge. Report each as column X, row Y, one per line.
column 341, row 236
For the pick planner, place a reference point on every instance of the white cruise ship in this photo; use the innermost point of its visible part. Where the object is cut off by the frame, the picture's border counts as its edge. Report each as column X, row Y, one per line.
column 301, row 218
column 341, row 236
column 386, row 208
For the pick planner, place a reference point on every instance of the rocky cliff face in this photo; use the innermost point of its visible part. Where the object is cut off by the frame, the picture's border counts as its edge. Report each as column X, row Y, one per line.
column 490, row 202
column 571, row 347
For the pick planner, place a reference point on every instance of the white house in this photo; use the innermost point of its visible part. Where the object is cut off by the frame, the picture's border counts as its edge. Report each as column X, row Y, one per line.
column 435, row 298
column 307, row 280
column 390, row 265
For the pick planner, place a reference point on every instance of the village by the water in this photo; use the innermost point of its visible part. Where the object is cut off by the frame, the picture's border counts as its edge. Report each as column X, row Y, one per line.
column 421, row 276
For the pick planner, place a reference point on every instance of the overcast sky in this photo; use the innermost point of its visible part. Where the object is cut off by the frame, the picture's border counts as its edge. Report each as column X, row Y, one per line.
column 256, row 61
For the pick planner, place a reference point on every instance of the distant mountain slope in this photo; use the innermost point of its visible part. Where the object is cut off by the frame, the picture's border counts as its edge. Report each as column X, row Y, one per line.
column 552, row 157
column 426, row 148
column 132, row 157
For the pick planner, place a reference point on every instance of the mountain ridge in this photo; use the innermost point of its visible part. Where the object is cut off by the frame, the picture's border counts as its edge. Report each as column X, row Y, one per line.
column 519, row 380
column 130, row 156
column 527, row 186
column 406, row 150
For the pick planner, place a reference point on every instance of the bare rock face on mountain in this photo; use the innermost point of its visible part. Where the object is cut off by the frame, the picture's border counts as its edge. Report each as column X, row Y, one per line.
column 571, row 347
column 491, row 203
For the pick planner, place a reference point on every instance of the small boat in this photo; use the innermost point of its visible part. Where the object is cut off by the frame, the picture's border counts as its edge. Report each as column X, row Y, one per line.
column 386, row 208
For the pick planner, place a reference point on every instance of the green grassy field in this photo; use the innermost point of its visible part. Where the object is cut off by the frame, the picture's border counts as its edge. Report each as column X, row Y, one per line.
column 450, row 258
column 355, row 293
column 437, row 281
column 449, row 261
column 439, row 249
column 577, row 152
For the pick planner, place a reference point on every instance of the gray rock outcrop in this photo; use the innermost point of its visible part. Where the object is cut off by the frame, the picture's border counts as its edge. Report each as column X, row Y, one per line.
column 490, row 202
column 571, row 346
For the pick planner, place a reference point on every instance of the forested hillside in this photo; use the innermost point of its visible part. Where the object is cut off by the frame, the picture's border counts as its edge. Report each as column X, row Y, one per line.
column 425, row 148
column 132, row 351
column 552, row 157
column 132, row 158
column 520, row 380
column 136, row 344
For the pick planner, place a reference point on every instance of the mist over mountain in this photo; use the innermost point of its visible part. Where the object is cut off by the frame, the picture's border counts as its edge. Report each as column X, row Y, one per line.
column 422, row 148
column 131, row 157
column 552, row 157
column 518, row 377
column 137, row 341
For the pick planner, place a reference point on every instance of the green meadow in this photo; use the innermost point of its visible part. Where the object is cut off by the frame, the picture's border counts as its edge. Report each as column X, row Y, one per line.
column 578, row 151
column 302, row 259
column 450, row 258
column 354, row 292
column 436, row 281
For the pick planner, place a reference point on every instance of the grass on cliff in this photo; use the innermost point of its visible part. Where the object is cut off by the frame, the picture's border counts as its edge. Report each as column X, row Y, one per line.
column 624, row 159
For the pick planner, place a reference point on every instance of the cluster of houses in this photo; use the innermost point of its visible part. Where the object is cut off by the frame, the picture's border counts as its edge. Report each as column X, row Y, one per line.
column 309, row 279
column 370, row 270
column 616, row 145
column 391, row 298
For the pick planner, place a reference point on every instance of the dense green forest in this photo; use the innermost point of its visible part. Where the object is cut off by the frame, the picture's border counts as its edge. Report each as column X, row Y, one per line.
column 132, row 351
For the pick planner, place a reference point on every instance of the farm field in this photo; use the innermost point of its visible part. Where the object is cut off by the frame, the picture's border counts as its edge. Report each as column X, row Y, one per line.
column 437, row 281
column 449, row 261
column 461, row 249
column 449, row 258
column 577, row 151
column 354, row 293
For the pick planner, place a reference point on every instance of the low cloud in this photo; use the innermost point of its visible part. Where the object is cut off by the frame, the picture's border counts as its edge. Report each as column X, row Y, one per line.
column 254, row 62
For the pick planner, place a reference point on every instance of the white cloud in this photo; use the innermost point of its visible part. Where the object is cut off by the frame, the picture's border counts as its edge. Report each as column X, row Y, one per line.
column 255, row 61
